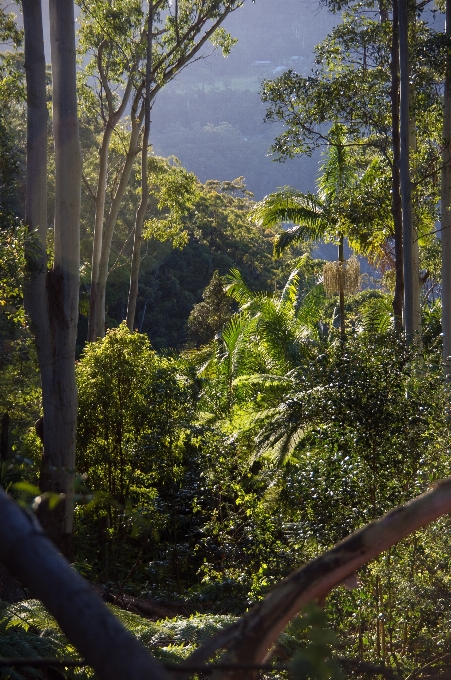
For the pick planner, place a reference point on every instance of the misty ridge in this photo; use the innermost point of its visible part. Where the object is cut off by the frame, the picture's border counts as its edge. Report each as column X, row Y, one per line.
column 211, row 116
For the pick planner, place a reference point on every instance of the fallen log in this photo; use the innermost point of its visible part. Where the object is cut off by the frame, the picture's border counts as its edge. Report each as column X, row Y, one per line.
column 149, row 609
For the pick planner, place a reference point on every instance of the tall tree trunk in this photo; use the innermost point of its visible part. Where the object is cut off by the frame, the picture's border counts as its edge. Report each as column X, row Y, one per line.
column 35, row 293
column 406, row 185
column 103, row 241
column 396, row 194
column 52, row 296
column 114, row 117
column 98, row 317
column 140, row 214
column 341, row 259
column 446, row 205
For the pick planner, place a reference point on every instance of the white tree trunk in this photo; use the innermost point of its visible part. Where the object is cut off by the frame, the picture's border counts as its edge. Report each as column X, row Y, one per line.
column 98, row 316
column 114, row 117
column 104, row 240
column 36, row 175
column 446, row 209
column 141, row 212
column 52, row 296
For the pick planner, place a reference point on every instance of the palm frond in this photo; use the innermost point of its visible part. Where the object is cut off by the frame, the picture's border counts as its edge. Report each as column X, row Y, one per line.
column 291, row 288
column 237, row 288
column 289, row 205
column 311, row 307
column 377, row 315
column 282, row 432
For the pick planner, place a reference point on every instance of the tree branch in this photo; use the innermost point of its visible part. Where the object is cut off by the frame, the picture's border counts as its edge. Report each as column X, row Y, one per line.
column 90, row 190
column 248, row 640
column 25, row 550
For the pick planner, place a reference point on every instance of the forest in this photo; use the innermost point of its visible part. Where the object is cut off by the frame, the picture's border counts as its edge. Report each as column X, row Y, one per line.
column 220, row 454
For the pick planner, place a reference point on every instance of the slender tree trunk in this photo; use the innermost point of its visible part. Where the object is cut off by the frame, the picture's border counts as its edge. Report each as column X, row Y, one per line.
column 100, row 262
column 417, row 283
column 396, row 194
column 98, row 230
column 35, row 293
column 446, row 206
column 51, row 297
column 112, row 121
column 341, row 259
column 98, row 319
column 136, row 256
column 406, row 185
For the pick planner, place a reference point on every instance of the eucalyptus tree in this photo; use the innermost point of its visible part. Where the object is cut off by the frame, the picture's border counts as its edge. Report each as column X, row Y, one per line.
column 51, row 293
column 114, row 38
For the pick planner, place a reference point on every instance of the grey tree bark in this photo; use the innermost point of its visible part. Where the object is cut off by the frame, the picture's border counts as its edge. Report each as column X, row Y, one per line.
column 446, row 205
column 141, row 212
column 51, row 295
column 114, row 116
column 97, row 317
column 113, row 652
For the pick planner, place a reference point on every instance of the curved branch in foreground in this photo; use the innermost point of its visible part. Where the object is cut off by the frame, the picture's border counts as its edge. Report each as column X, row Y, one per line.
column 249, row 639
column 27, row 553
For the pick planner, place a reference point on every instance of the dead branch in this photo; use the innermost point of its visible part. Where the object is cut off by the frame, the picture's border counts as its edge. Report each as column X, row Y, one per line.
column 27, row 553
column 147, row 608
column 249, row 639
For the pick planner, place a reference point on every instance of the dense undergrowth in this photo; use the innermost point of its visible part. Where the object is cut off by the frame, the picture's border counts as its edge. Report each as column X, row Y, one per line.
column 206, row 476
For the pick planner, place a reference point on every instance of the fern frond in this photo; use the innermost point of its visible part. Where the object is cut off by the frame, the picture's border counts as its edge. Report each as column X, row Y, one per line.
column 311, row 307
column 377, row 315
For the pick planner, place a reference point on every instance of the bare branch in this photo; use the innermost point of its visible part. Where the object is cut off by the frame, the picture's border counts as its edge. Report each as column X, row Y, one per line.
column 91, row 191
column 104, row 79
column 113, row 652
column 248, row 640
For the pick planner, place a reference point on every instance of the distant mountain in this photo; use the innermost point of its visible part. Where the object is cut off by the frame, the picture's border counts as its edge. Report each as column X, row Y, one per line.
column 211, row 116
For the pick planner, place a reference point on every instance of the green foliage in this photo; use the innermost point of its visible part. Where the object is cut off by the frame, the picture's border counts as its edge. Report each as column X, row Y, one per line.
column 341, row 206
column 28, row 631
column 172, row 281
column 133, row 405
column 209, row 317
column 174, row 190
column 352, row 85
column 314, row 661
